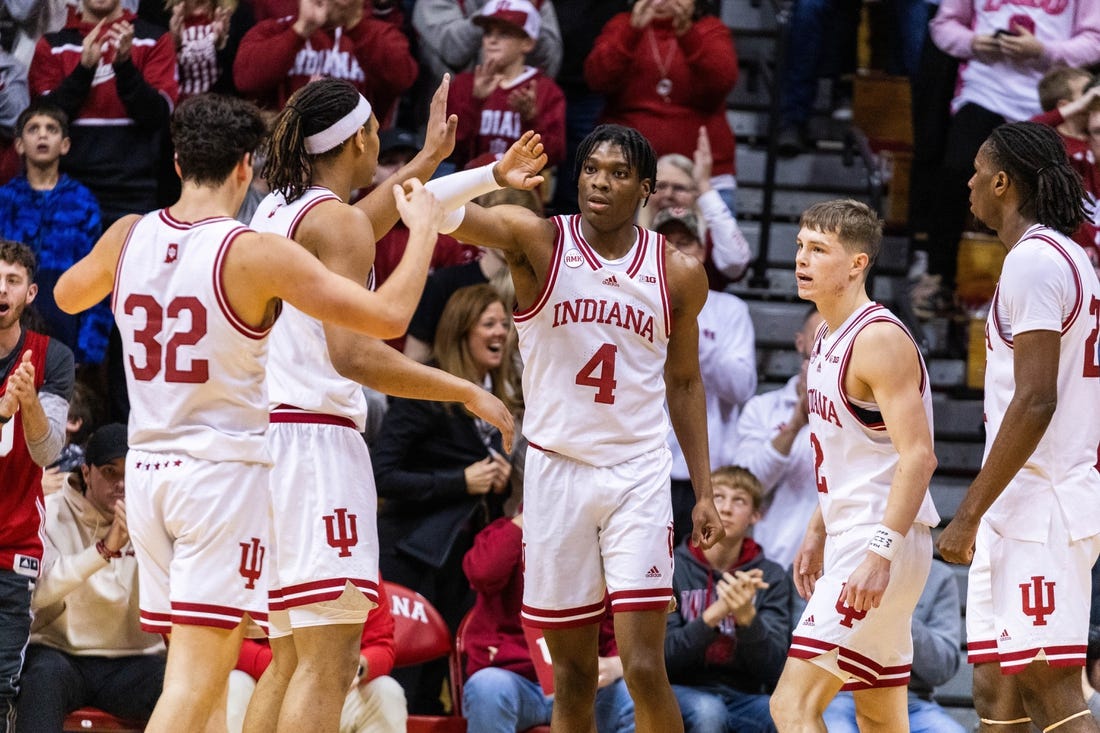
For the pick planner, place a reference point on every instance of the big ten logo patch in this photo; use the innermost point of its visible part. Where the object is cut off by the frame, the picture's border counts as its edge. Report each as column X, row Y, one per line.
column 341, row 530
column 252, row 561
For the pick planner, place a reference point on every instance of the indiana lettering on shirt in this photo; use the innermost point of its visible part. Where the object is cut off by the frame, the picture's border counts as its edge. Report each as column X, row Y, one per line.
column 327, row 62
column 500, row 123
column 610, row 312
column 823, row 407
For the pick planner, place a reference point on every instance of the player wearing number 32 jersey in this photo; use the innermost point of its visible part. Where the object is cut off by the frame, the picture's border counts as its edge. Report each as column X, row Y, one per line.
column 868, row 548
column 195, row 295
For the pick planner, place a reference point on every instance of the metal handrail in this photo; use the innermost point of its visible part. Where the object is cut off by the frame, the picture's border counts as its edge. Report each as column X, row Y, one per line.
column 783, row 11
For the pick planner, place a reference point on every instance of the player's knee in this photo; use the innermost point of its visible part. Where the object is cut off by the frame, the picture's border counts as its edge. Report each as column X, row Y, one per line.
column 787, row 708
column 574, row 684
column 644, row 674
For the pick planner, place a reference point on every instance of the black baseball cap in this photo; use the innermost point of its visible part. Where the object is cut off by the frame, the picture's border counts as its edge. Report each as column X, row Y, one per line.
column 396, row 138
column 106, row 444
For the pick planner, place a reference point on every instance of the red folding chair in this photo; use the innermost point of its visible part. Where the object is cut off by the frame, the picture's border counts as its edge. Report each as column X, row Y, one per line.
column 93, row 720
column 421, row 635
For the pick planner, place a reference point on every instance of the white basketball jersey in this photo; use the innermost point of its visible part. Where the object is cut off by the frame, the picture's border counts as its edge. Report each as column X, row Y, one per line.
column 194, row 369
column 299, row 373
column 1047, row 283
column 594, row 345
column 854, row 460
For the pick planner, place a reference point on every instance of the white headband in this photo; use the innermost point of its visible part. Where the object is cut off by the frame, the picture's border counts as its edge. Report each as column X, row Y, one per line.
column 340, row 130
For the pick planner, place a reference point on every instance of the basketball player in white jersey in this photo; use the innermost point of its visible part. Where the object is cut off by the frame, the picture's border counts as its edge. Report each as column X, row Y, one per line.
column 195, row 295
column 1030, row 521
column 325, row 547
column 607, row 326
column 868, row 548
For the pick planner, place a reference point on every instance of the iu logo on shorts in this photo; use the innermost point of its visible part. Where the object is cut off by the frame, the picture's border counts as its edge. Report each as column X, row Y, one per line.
column 1042, row 604
column 341, row 530
column 850, row 614
column 252, row 561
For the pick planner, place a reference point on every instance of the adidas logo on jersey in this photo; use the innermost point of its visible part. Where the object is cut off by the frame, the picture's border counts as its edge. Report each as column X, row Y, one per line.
column 1005, row 636
column 809, row 621
column 653, row 572
column 611, row 281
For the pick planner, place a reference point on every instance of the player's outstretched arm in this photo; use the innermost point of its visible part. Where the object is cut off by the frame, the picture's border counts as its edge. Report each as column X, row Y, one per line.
column 1035, row 372
column 687, row 286
column 373, row 363
column 92, row 278
column 266, row 267
column 439, row 143
column 885, row 364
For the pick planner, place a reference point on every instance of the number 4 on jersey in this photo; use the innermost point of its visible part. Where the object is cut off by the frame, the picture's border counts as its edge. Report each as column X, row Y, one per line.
column 603, row 362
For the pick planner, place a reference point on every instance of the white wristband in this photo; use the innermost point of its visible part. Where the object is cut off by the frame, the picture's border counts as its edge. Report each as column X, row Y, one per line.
column 885, row 542
column 455, row 190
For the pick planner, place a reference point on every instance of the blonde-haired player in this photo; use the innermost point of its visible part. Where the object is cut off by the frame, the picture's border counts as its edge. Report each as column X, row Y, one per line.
column 868, row 548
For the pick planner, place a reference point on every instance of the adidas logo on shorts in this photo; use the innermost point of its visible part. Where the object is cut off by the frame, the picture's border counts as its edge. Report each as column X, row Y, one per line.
column 1005, row 636
column 653, row 572
column 809, row 621
column 611, row 281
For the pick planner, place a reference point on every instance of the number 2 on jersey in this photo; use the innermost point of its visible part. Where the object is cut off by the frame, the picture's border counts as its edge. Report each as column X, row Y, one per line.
column 819, row 457
column 199, row 371
column 603, row 361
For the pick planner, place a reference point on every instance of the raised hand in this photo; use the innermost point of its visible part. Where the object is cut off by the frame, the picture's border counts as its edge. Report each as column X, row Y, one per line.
column 642, row 14
column 312, row 14
column 118, row 535
column 522, row 163
column 487, row 78
column 92, row 50
column 523, row 101
column 121, row 36
column 439, row 136
column 703, row 161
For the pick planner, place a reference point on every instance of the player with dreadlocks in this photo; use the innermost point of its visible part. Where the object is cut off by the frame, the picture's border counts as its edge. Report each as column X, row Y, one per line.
column 607, row 329
column 325, row 542
column 1030, row 521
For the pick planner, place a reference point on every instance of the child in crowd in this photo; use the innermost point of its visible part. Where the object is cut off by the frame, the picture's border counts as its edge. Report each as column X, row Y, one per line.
column 727, row 639
column 1070, row 96
column 59, row 219
column 502, row 97
column 200, row 29
column 1067, row 95
column 84, row 407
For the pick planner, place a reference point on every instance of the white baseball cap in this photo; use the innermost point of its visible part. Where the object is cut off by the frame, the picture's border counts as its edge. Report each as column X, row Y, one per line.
column 517, row 13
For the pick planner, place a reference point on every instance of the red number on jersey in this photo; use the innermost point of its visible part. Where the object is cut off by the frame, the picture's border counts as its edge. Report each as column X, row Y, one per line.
column 819, row 457
column 1092, row 343
column 147, row 337
column 604, row 362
